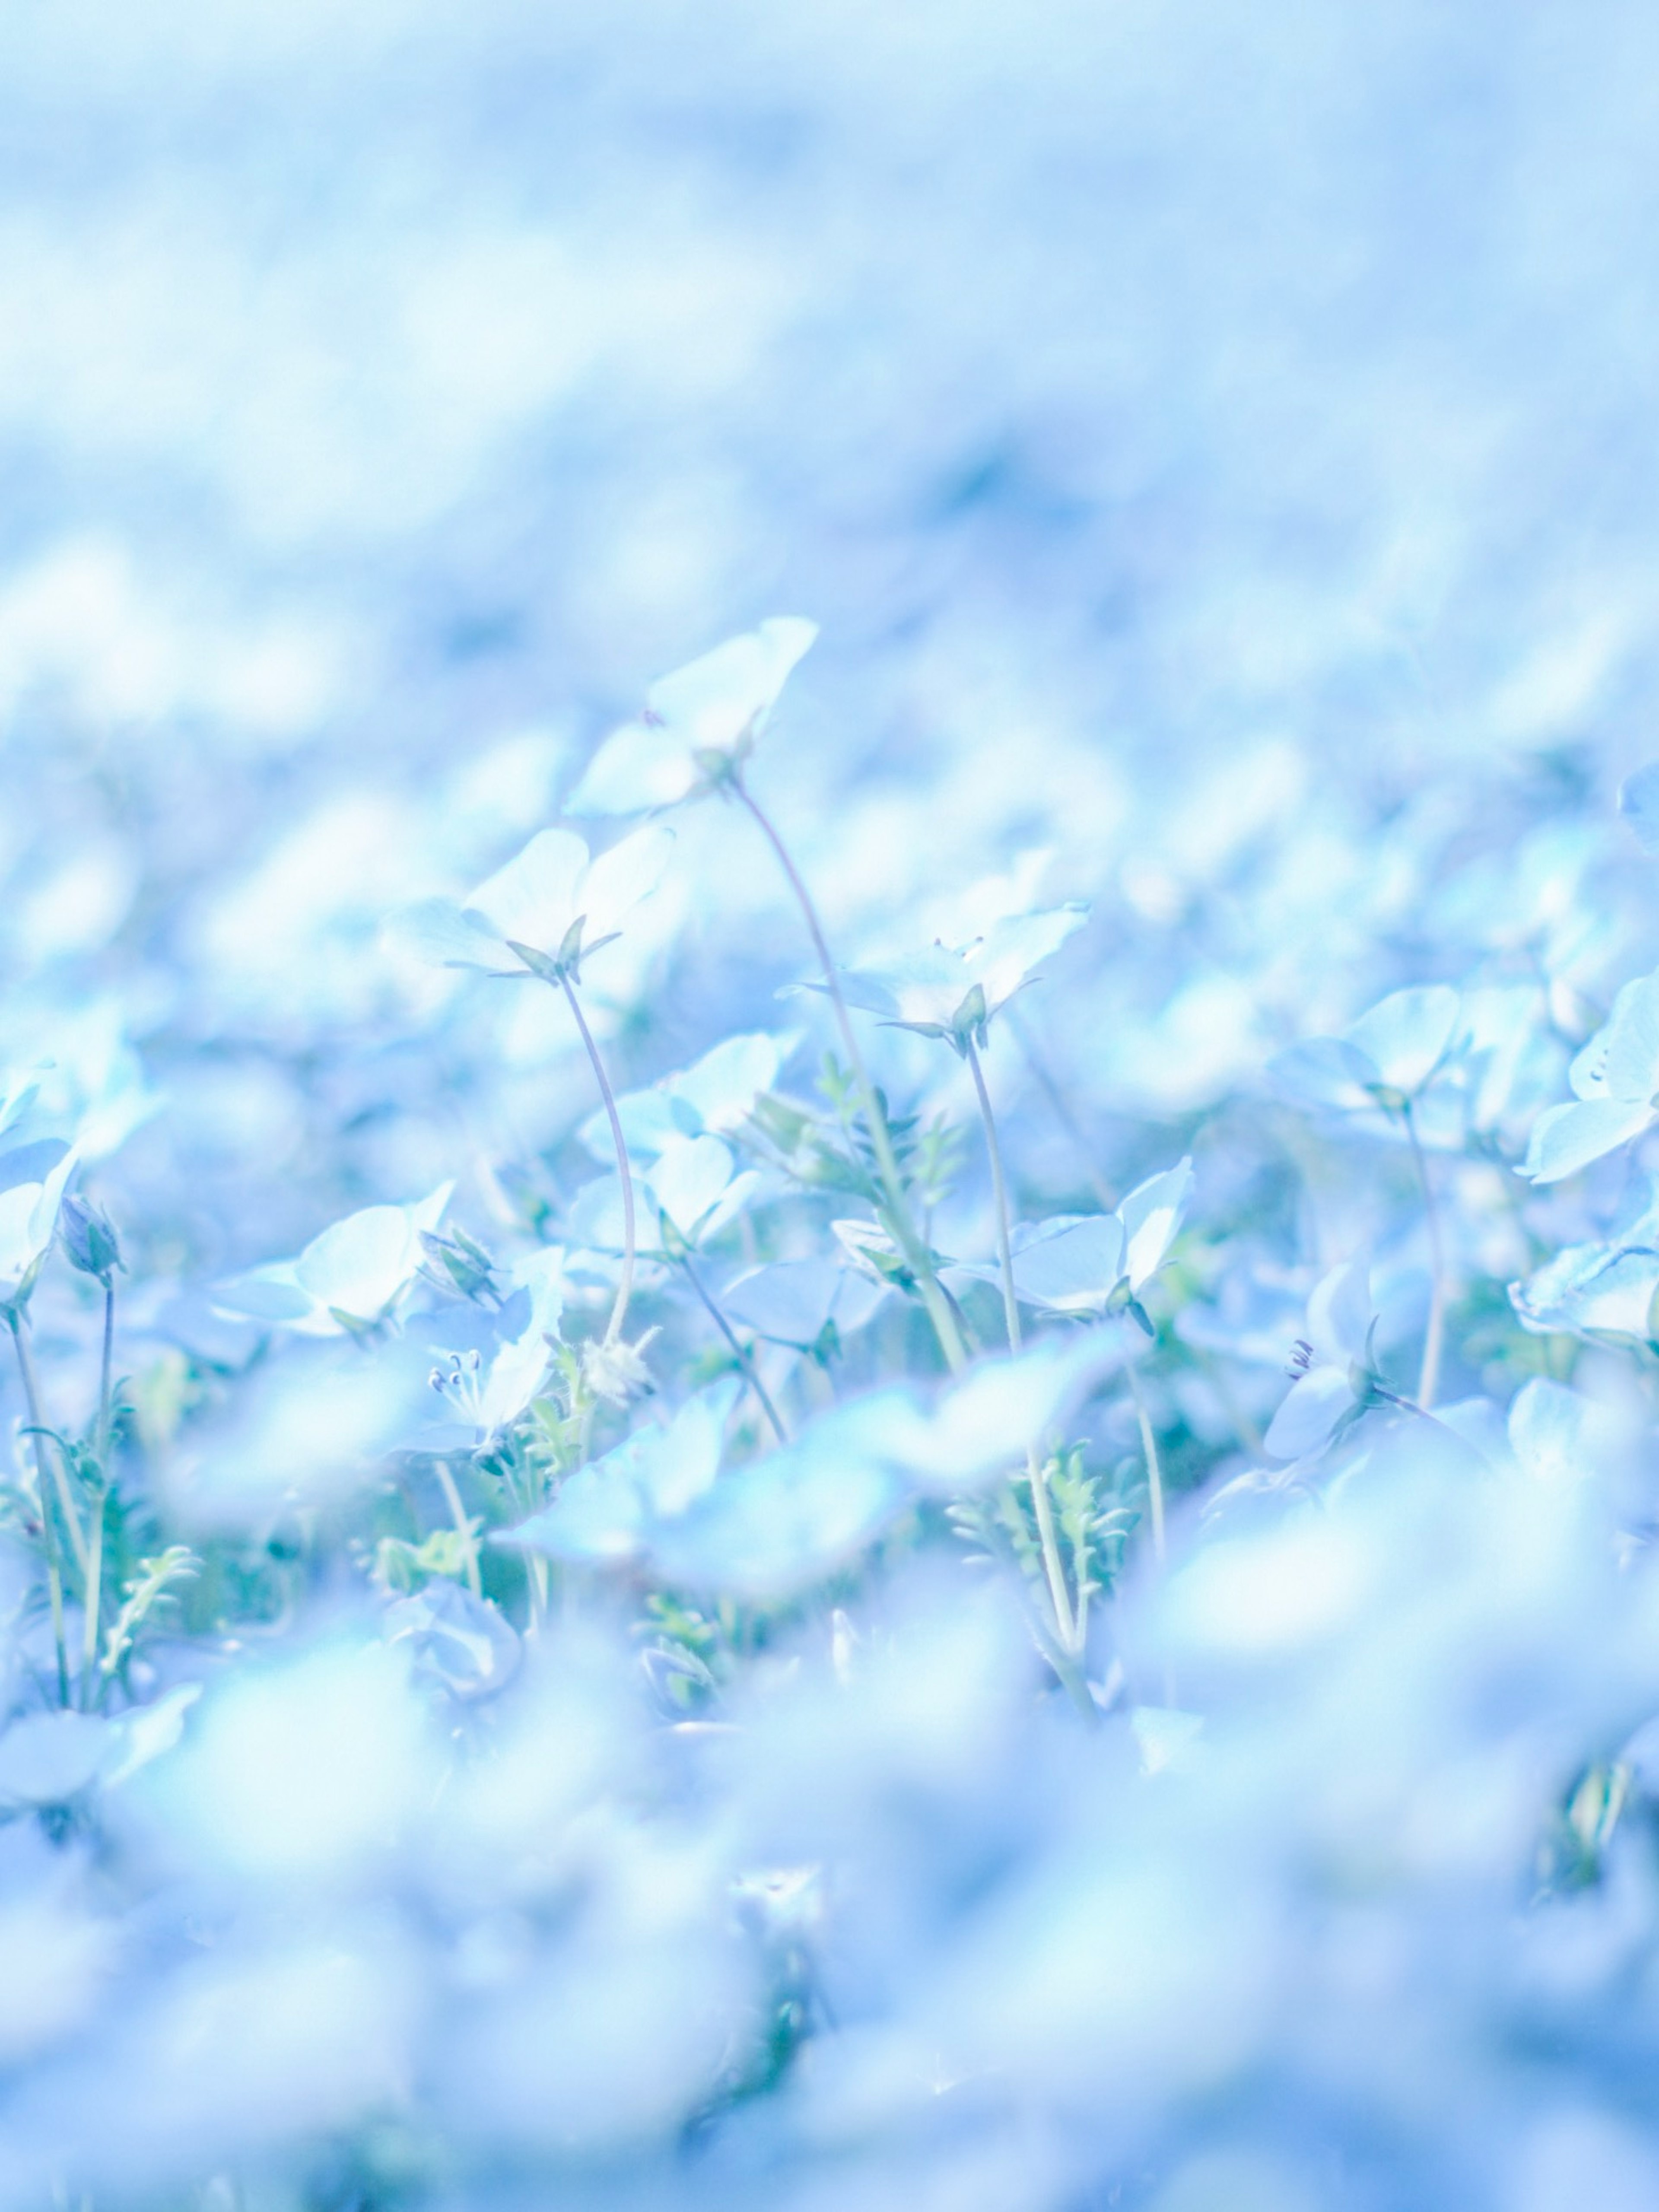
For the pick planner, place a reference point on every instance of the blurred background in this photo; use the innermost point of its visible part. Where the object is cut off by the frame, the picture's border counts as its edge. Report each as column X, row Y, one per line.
column 1217, row 443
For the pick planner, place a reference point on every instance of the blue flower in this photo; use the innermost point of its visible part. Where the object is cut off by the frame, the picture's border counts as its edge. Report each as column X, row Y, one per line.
column 1615, row 1080
column 698, row 723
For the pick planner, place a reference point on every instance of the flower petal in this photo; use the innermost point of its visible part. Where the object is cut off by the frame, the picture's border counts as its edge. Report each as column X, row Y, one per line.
column 620, row 879
column 1407, row 1035
column 436, row 930
column 1152, row 1216
column 1568, row 1138
column 638, row 766
column 718, row 699
column 1340, row 1314
column 1304, row 1423
column 533, row 900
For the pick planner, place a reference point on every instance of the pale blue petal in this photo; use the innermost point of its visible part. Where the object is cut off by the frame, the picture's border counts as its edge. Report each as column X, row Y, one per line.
column 437, row 931
column 1406, row 1034
column 792, row 1301
column 1304, row 1423
column 533, row 900
column 640, row 766
column 721, row 1087
column 689, row 1179
column 1151, row 1216
column 727, row 695
column 1075, row 1269
column 1557, row 1434
column 1340, row 1314
column 598, row 1518
column 1568, row 1138
column 985, row 1422
column 621, row 878
column 1009, row 951
column 784, row 1522
column 1630, row 1065
column 1324, row 1072
column 1639, row 802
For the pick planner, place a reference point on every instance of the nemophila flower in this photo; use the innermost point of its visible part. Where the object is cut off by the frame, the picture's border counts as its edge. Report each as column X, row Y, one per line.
column 712, row 1098
column 694, row 1189
column 1333, row 1374
column 487, row 1395
column 808, row 1304
column 1615, row 1083
column 698, row 723
column 32, row 1180
column 348, row 1279
column 1606, row 1288
column 953, row 993
column 88, row 1238
column 547, row 911
column 1383, row 1062
column 1092, row 1264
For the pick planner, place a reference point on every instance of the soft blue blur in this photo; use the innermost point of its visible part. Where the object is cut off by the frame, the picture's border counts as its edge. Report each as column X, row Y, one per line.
column 1217, row 443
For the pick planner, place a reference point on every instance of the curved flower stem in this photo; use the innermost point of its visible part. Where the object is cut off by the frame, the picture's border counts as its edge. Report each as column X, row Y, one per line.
column 1154, row 1469
column 1429, row 1375
column 624, row 1175
column 745, row 1359
column 897, row 1207
column 54, row 1579
column 1065, row 1621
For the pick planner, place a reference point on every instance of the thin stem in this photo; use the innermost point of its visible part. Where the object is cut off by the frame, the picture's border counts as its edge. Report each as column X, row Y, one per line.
column 54, row 1580
column 93, row 1603
column 463, row 1527
column 999, row 1192
column 95, row 1544
column 744, row 1358
column 1154, row 1469
column 1429, row 1375
column 624, row 1175
column 60, row 1479
column 1053, row 1565
column 898, row 1207
column 101, row 1434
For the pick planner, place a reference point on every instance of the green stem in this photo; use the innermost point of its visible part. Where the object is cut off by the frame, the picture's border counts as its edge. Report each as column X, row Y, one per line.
column 745, row 1359
column 101, row 1439
column 1154, row 1470
column 1429, row 1375
column 917, row 1257
column 54, row 1580
column 95, row 1544
column 624, row 1175
column 463, row 1527
column 94, row 1604
column 1054, row 1567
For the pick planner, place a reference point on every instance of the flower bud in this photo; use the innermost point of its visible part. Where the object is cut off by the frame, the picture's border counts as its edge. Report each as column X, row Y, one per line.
column 88, row 1238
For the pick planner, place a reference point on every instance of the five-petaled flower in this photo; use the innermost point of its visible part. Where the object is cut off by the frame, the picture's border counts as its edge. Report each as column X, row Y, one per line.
column 699, row 725
column 547, row 911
